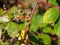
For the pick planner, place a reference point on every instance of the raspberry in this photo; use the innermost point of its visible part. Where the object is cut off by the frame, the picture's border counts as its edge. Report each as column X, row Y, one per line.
column 24, row 17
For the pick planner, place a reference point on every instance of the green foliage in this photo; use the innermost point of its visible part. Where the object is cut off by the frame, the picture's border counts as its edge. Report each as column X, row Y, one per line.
column 1, row 12
column 34, row 25
column 6, row 43
column 0, row 43
column 58, row 41
column 12, row 10
column 43, row 21
column 37, row 22
column 57, row 28
column 32, row 5
column 44, row 38
column 53, row 2
column 16, row 43
column 48, row 30
column 34, row 39
column 26, row 0
column 13, row 28
column 50, row 16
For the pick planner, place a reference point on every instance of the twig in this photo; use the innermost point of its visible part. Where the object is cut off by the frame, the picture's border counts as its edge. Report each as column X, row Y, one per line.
column 32, row 13
column 30, row 19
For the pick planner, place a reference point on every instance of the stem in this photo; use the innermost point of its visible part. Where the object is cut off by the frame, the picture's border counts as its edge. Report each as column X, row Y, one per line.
column 30, row 19
column 32, row 13
column 0, row 33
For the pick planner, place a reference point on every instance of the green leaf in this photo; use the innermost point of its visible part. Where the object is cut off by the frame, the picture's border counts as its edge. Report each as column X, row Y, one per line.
column 33, row 4
column 21, row 26
column 34, row 25
column 44, row 38
column 58, row 42
column 26, row 0
column 50, row 16
column 37, row 22
column 11, row 16
column 48, row 30
column 12, row 10
column 57, row 28
column 16, row 43
column 53, row 2
column 3, row 25
column 0, row 43
column 12, row 28
column 1, row 12
column 6, row 43
column 33, row 39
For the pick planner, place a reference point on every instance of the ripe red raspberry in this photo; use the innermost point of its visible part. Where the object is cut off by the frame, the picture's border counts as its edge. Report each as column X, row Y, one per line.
column 24, row 17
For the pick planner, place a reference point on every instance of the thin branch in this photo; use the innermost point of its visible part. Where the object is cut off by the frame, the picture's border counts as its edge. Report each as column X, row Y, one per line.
column 32, row 13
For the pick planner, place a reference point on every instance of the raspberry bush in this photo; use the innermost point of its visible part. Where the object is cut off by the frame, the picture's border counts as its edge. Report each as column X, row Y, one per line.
column 36, row 24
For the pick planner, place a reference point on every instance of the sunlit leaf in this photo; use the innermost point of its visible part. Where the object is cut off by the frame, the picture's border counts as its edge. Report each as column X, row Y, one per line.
column 12, row 28
column 37, row 22
column 57, row 28
column 45, row 39
column 53, row 2
column 50, row 16
column 12, row 10
column 48, row 30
